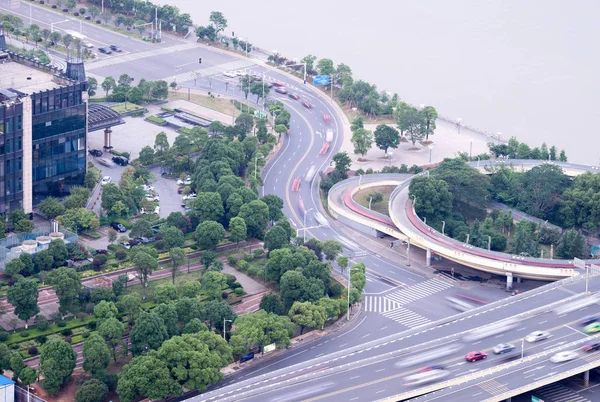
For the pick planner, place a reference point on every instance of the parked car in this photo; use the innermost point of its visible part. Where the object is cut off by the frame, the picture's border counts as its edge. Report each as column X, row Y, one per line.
column 120, row 160
column 106, row 180
column 186, row 182
column 126, row 245
column 95, row 152
column 104, row 50
column 88, row 45
column 157, row 210
column 118, row 227
column 229, row 74
column 154, row 198
column 475, row 356
column 278, row 84
column 116, row 48
column 148, row 187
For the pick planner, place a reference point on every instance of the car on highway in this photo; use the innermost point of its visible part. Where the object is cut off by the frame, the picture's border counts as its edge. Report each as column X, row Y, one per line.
column 588, row 320
column 592, row 328
column 95, row 152
column 294, row 96
column 120, row 160
column 105, row 180
column 118, row 227
column 116, row 48
column 104, row 50
column 537, row 336
column 591, row 347
column 503, row 348
column 425, row 377
column 475, row 356
column 278, row 84
column 281, row 90
column 326, row 117
column 566, row 356
column 433, row 367
column 307, row 105
column 508, row 357
column 88, row 45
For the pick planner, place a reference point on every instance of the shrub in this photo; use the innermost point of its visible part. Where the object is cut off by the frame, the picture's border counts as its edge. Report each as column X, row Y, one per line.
column 243, row 265
column 248, row 257
column 42, row 323
column 230, row 279
column 232, row 260
column 15, row 346
column 85, row 334
column 62, row 324
column 121, row 254
column 91, row 325
column 68, row 339
column 32, row 351
column 258, row 252
column 41, row 339
column 235, row 285
column 159, row 244
column 66, row 332
column 239, row 291
column 3, row 336
column 24, row 334
column 224, row 295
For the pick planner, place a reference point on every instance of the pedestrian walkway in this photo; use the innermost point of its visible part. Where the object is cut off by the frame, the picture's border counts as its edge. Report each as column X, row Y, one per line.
column 406, row 317
column 558, row 393
column 125, row 58
column 378, row 304
column 418, row 291
column 209, row 71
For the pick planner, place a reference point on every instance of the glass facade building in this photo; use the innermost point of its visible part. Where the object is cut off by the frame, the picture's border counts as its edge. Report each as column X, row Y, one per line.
column 11, row 156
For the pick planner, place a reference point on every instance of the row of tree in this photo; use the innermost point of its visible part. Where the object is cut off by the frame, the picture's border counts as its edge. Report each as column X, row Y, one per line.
column 144, row 91
column 514, row 149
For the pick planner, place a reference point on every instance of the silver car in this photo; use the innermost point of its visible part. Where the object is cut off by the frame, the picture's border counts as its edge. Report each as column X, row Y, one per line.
column 537, row 336
column 503, row 348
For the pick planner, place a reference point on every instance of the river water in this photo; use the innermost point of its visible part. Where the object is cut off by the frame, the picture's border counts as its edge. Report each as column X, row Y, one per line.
column 522, row 68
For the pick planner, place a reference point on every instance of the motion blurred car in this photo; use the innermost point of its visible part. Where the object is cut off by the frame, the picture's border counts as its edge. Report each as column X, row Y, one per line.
column 422, row 378
column 537, row 336
column 281, row 90
column 95, row 152
column 591, row 347
column 588, row 321
column 564, row 356
column 294, row 96
column 106, row 180
column 592, row 328
column 503, row 348
column 326, row 117
column 508, row 357
column 116, row 48
column 475, row 356
column 278, row 84
column 434, row 367
column 306, row 105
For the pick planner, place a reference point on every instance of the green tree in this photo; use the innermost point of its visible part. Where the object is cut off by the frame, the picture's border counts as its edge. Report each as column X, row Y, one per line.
column 104, row 310
column 217, row 311
column 51, row 207
column 92, row 85
column 168, row 313
column 172, row 236
column 194, row 326
column 342, row 262
column 429, row 115
column 259, row 89
column 271, row 303
column 142, row 228
column 109, row 82
column 146, row 376
column 79, row 219
column 59, row 252
column 331, row 249
column 208, row 258
column 259, row 329
column 178, row 258
column 165, row 293
column 465, row 184
column 237, row 229
column 572, row 244
column 57, row 362
column 326, row 67
column 149, row 332
column 16, row 364
column 146, row 156
column 145, row 264
column 188, row 309
column 306, row 314
column 208, row 207
column 386, row 137
column 540, row 189
column 93, row 390
column 256, row 216
column 218, row 21
column 276, row 237
column 432, row 197
column 27, row 376
column 67, row 285
column 292, row 287
column 362, row 140
column 112, row 235
column 161, row 143
column 524, row 242
column 342, row 163
column 112, row 332
column 310, row 63
column 96, row 356
column 275, row 205
column 130, row 305
column 23, row 295
column 213, row 284
column 208, row 235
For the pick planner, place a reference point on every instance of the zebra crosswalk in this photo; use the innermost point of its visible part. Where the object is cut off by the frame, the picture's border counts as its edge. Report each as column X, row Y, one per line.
column 559, row 393
column 406, row 317
column 124, row 58
column 378, row 304
column 418, row 291
column 209, row 71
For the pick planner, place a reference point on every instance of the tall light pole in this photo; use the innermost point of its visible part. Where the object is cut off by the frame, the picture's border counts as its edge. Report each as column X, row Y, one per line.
column 349, row 285
column 224, row 329
column 443, row 227
column 430, row 149
column 458, row 121
column 408, row 253
column 305, row 214
column 489, row 243
column 255, row 166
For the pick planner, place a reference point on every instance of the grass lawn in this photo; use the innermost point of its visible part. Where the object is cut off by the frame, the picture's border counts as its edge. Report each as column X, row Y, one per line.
column 362, row 197
column 126, row 107
column 219, row 104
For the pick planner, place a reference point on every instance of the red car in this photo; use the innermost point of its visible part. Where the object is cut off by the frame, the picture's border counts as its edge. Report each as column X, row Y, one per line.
column 474, row 356
column 278, row 84
column 326, row 117
column 592, row 347
column 294, row 96
column 281, row 90
column 306, row 105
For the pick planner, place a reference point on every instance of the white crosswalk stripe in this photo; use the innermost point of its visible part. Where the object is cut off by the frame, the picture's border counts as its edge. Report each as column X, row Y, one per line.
column 378, row 304
column 209, row 71
column 558, row 393
column 418, row 291
column 111, row 61
column 406, row 317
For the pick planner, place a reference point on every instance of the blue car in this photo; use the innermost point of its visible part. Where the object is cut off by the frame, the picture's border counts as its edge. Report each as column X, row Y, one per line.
column 588, row 320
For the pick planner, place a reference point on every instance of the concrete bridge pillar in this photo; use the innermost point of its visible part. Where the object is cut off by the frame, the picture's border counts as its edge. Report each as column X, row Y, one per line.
column 586, row 378
column 509, row 281
column 428, row 258
column 518, row 279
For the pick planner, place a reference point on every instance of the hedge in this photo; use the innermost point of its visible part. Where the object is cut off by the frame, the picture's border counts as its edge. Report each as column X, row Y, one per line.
column 156, row 120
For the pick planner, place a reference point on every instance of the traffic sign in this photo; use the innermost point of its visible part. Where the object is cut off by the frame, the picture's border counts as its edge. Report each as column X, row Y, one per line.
column 321, row 80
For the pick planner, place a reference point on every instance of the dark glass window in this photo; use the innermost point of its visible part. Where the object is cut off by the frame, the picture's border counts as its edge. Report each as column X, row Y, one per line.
column 19, row 184
column 9, row 166
column 19, row 143
column 1, row 126
column 9, row 186
column 9, row 145
column 9, row 125
column 19, row 163
column 19, row 122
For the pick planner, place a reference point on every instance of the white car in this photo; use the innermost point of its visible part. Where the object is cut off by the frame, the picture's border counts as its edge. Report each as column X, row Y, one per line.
column 561, row 357
column 186, row 182
column 154, row 198
column 503, row 348
column 189, row 197
column 106, row 180
column 428, row 376
column 157, row 210
column 537, row 336
column 230, row 74
column 88, row 45
column 148, row 188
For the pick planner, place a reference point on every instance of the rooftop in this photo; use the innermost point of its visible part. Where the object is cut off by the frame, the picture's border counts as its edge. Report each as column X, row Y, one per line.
column 26, row 79
column 5, row 381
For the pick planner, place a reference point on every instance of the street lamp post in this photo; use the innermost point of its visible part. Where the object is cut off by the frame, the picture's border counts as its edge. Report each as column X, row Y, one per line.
column 471, row 150
column 349, row 285
column 458, row 121
column 489, row 243
column 443, row 227
column 430, row 149
column 305, row 214
column 408, row 253
column 359, row 180
column 255, row 166
column 224, row 329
